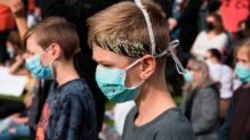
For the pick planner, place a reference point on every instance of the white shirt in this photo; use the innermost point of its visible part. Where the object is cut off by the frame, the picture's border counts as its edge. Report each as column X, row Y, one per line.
column 224, row 75
column 203, row 43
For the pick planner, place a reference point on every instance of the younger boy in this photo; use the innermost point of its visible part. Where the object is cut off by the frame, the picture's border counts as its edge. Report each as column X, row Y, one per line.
column 68, row 113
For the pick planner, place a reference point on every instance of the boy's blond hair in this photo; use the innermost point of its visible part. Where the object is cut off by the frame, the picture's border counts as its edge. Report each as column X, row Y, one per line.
column 125, row 21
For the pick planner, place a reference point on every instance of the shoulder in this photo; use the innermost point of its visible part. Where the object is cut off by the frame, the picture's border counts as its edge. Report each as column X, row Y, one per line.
column 241, row 94
column 223, row 36
column 208, row 91
column 174, row 124
column 227, row 69
column 76, row 90
column 202, row 34
column 173, row 117
column 241, row 91
column 76, row 87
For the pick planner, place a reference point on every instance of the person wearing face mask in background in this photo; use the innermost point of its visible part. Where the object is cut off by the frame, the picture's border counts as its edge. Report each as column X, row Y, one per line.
column 16, row 53
column 200, row 102
column 131, row 52
column 243, row 30
column 222, row 75
column 237, row 123
column 214, row 37
column 69, row 111
column 242, row 33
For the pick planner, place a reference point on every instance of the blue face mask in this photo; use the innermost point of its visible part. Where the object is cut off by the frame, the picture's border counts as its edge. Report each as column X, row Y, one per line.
column 37, row 69
column 112, row 83
column 243, row 73
column 188, row 77
column 11, row 52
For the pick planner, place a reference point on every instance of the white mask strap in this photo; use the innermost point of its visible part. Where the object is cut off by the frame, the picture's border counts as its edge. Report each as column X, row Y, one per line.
column 133, row 64
column 172, row 46
column 149, row 25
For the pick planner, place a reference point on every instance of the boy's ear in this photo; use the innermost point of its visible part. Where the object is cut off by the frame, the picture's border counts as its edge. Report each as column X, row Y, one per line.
column 56, row 51
column 148, row 66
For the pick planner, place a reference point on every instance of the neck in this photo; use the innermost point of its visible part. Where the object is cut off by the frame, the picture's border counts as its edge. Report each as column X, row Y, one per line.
column 214, row 32
column 65, row 72
column 154, row 99
column 214, row 62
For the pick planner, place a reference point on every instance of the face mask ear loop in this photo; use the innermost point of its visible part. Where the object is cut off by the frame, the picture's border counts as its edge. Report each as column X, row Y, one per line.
column 129, row 67
column 179, row 66
column 162, row 54
column 133, row 64
column 149, row 25
column 172, row 45
column 51, row 61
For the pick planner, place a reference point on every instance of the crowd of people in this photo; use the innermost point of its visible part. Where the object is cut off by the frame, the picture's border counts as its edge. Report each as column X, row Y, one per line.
column 81, row 55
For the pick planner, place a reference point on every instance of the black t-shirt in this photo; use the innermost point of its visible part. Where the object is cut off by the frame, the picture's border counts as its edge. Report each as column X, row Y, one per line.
column 170, row 125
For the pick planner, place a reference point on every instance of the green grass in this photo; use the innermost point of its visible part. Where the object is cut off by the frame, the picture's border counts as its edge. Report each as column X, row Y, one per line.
column 12, row 98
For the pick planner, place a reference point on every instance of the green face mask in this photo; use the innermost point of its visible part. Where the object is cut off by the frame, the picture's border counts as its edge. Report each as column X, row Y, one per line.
column 112, row 83
column 243, row 73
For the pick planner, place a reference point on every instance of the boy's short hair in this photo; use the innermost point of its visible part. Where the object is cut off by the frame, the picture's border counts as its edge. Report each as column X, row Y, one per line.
column 122, row 29
column 55, row 30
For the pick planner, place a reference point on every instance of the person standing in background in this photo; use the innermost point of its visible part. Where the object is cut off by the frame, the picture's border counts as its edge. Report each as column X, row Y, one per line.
column 69, row 111
column 237, row 123
column 223, row 76
column 76, row 12
column 214, row 37
column 7, row 23
column 200, row 102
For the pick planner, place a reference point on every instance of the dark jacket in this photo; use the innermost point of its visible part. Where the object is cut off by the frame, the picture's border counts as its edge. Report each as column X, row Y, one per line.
column 237, row 123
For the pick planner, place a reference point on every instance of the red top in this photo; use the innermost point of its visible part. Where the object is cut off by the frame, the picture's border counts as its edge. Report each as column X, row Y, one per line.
column 6, row 18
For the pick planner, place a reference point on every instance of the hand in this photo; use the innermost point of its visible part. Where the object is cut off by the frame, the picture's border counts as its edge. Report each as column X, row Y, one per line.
column 16, row 7
column 19, row 59
column 16, row 119
column 14, row 115
column 28, row 101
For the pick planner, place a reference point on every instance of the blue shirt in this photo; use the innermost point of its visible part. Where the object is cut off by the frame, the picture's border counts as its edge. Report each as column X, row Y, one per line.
column 69, row 113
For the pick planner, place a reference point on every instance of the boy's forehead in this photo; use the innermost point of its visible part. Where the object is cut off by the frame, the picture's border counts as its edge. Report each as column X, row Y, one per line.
column 100, row 54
